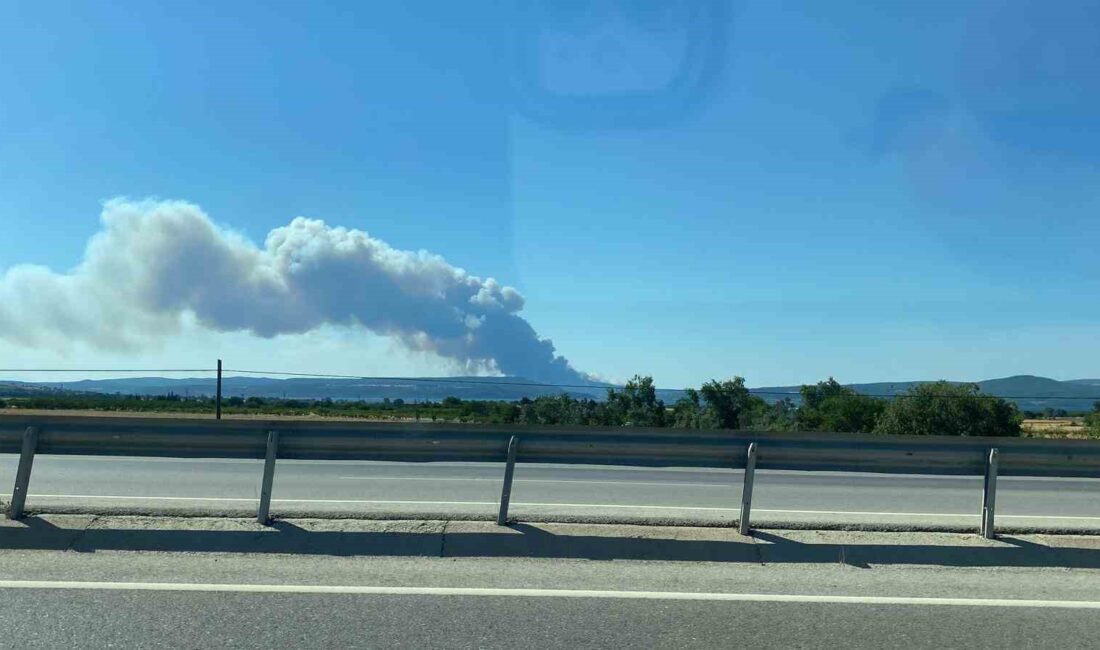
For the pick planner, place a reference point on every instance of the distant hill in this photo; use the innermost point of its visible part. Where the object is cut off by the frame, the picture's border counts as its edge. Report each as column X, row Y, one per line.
column 1085, row 382
column 1029, row 386
column 24, row 389
column 1029, row 392
column 367, row 389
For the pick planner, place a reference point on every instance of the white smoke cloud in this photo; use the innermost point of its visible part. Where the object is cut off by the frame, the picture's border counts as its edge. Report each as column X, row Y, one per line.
column 154, row 264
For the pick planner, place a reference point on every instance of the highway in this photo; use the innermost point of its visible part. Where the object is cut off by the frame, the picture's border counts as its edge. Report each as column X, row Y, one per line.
column 189, row 619
column 113, row 598
column 544, row 492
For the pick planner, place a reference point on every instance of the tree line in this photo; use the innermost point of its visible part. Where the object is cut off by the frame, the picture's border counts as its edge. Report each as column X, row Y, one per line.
column 939, row 408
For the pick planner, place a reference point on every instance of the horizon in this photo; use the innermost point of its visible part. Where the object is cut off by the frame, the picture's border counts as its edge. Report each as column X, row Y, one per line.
column 497, row 380
column 1030, row 394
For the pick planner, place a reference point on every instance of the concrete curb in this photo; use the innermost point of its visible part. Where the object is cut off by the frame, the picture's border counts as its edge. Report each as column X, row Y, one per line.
column 761, row 523
column 591, row 541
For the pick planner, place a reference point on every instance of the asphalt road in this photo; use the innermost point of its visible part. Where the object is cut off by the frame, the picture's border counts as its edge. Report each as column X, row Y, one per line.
column 51, row 599
column 143, row 619
column 542, row 492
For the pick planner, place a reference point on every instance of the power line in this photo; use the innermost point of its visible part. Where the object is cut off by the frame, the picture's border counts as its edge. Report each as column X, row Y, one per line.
column 100, row 370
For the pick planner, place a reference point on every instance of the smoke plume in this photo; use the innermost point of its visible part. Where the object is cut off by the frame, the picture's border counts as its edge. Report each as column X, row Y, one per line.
column 153, row 263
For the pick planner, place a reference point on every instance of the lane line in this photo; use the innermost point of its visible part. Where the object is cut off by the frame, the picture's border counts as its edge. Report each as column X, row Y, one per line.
column 422, row 478
column 559, row 505
column 545, row 593
column 254, row 499
column 923, row 514
column 14, row 458
column 496, row 479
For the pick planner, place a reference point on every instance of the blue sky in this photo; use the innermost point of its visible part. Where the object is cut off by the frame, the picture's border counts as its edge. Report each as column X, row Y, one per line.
column 807, row 189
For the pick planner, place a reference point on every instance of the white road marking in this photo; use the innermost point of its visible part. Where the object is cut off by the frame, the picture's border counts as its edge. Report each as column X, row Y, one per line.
column 922, row 514
column 421, row 478
column 14, row 458
column 496, row 479
column 253, row 499
column 558, row 505
column 544, row 593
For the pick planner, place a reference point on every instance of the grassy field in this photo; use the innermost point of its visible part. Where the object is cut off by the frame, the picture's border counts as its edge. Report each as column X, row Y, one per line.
column 448, row 410
column 1056, row 428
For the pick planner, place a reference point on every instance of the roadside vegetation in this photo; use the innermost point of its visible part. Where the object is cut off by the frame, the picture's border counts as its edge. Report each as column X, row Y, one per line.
column 940, row 408
column 1092, row 421
column 1059, row 423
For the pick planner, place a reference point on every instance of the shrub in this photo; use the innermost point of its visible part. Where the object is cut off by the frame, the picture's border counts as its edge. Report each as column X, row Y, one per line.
column 829, row 406
column 947, row 409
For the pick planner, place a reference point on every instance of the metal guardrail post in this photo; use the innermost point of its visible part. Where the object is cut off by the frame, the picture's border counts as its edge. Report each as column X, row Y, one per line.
column 263, row 515
column 186, row 438
column 218, row 394
column 989, row 495
column 746, row 490
column 23, row 473
column 506, row 490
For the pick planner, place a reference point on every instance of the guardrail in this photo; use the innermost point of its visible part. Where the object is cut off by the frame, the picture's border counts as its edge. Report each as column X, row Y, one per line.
column 28, row 435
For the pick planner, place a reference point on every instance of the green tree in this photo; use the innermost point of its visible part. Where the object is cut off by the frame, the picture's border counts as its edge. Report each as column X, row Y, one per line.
column 829, row 406
column 729, row 401
column 557, row 409
column 689, row 412
column 762, row 416
column 947, row 409
column 1092, row 421
column 635, row 405
column 729, row 405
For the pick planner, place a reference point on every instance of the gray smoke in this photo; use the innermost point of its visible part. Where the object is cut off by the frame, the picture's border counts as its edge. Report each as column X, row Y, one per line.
column 153, row 263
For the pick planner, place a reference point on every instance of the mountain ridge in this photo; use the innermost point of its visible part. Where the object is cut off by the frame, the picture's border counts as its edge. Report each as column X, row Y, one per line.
column 1030, row 392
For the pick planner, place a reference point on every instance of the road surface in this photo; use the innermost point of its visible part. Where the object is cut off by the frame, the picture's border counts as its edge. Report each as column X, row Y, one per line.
column 111, row 598
column 59, row 618
column 541, row 492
